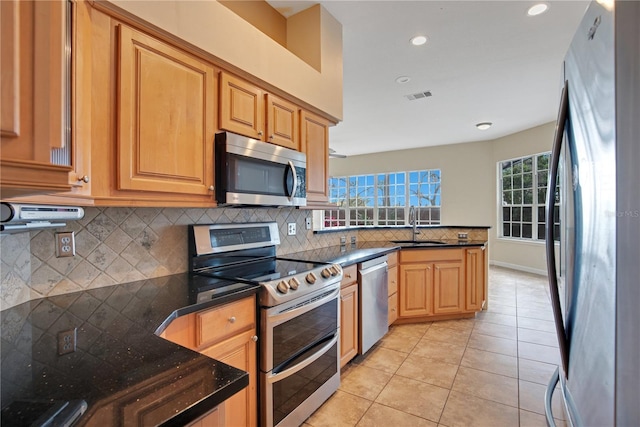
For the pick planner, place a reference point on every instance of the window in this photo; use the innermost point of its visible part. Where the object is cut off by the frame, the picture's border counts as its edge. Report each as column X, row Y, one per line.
column 523, row 187
column 384, row 199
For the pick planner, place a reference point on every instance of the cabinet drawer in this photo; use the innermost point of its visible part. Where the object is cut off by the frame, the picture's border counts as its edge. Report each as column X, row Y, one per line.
column 430, row 255
column 350, row 275
column 224, row 321
column 393, row 280
column 392, row 258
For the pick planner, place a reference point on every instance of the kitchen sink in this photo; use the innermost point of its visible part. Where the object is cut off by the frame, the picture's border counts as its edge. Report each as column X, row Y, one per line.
column 420, row 242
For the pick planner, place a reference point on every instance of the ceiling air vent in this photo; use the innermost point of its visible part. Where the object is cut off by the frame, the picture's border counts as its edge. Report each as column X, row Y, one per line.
column 418, row 95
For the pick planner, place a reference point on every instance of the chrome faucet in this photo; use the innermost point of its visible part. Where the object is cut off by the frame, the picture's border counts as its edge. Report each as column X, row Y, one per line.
column 413, row 221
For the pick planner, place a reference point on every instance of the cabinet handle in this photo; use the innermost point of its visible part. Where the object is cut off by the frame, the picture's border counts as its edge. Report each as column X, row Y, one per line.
column 232, row 319
column 254, row 338
column 211, row 188
column 270, row 136
column 84, row 178
column 259, row 133
column 348, row 276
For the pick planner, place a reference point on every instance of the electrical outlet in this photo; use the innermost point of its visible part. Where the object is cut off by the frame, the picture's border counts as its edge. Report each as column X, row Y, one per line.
column 65, row 244
column 307, row 223
column 291, row 228
column 353, row 240
column 463, row 236
column 67, row 341
column 343, row 240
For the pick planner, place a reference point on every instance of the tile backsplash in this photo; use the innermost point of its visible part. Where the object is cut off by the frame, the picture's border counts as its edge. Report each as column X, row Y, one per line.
column 120, row 245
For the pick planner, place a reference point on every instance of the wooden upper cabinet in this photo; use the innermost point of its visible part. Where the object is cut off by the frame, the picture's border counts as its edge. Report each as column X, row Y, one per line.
column 282, row 122
column 241, row 107
column 166, row 117
column 314, row 140
column 34, row 147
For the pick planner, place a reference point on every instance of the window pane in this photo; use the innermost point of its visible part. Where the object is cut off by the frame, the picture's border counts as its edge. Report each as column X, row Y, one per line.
column 506, row 229
column 517, row 181
column 515, row 230
column 506, row 183
column 527, row 165
column 542, row 195
column 526, row 231
column 541, row 214
column 506, row 214
column 507, row 198
column 527, row 180
column 506, row 168
column 517, row 197
column 528, row 197
column 542, row 179
column 516, row 214
column 540, row 232
column 527, row 214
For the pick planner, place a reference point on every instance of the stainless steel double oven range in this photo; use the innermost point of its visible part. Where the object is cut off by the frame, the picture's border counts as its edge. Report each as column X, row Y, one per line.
column 298, row 305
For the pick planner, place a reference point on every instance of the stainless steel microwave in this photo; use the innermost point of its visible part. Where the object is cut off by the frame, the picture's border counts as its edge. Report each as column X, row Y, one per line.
column 252, row 172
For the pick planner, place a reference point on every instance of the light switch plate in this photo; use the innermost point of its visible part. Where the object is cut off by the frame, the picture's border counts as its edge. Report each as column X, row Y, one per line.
column 307, row 223
column 291, row 228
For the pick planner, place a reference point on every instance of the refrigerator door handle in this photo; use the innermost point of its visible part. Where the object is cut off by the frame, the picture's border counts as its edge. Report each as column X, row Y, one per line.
column 548, row 398
column 549, row 238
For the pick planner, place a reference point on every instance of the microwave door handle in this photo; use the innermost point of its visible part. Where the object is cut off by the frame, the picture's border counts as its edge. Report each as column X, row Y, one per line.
column 294, row 189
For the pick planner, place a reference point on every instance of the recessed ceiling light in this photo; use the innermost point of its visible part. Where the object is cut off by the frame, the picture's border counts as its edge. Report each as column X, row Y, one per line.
column 537, row 9
column 418, row 40
column 403, row 79
column 484, row 125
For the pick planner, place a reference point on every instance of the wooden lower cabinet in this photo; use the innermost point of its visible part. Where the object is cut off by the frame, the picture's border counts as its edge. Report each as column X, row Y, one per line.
column 441, row 283
column 349, row 310
column 215, row 418
column 416, row 290
column 448, row 287
column 475, row 278
column 227, row 333
column 239, row 352
column 392, row 261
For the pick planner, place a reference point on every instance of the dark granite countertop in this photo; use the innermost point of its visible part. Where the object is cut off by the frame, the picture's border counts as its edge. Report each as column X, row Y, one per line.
column 120, row 365
column 363, row 251
column 387, row 227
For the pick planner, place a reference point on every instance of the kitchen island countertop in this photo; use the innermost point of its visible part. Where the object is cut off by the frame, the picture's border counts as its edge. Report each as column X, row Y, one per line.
column 120, row 366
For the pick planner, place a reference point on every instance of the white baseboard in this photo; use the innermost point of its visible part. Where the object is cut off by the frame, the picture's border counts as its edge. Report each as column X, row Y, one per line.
column 519, row 267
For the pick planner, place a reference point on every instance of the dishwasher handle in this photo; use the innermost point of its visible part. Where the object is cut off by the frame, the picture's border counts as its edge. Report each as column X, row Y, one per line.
column 373, row 264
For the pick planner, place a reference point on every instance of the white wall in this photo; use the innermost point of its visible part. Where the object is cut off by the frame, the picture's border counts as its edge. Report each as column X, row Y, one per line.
column 469, row 184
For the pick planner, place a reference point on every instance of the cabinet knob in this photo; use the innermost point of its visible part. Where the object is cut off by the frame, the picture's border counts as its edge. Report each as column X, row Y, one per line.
column 270, row 136
column 254, row 338
column 83, row 178
column 260, row 133
column 211, row 188
column 232, row 319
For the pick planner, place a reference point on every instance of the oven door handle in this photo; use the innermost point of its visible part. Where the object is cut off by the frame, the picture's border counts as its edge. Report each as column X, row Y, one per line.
column 277, row 319
column 272, row 378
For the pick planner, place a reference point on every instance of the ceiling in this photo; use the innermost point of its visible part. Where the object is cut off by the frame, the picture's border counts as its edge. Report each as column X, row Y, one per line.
column 485, row 61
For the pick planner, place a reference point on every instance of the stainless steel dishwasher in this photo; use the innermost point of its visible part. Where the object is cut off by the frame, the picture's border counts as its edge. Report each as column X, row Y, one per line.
column 374, row 301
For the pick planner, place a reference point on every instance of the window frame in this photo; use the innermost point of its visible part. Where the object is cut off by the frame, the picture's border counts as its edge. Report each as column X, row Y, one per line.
column 377, row 213
column 537, row 233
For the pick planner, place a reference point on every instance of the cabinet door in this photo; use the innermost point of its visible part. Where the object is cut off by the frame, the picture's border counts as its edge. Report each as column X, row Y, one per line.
column 166, row 118
column 282, row 123
column 240, row 352
column 242, row 108
column 215, row 418
column 314, row 133
column 474, row 270
column 416, row 282
column 393, row 308
column 348, row 323
column 33, row 88
column 448, row 287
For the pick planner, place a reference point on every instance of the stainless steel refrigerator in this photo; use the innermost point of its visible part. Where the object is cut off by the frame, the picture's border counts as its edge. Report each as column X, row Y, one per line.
column 594, row 278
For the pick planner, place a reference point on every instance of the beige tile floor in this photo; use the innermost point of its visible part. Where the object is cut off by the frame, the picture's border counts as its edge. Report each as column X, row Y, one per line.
column 487, row 371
